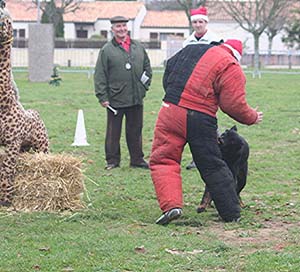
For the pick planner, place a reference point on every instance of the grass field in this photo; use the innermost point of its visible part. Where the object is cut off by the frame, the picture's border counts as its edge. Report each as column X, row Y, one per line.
column 116, row 233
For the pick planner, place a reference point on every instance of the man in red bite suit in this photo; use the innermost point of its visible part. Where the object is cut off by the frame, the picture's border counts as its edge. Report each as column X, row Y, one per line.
column 197, row 81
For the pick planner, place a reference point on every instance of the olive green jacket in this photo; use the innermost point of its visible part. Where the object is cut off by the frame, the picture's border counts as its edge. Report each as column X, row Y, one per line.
column 118, row 74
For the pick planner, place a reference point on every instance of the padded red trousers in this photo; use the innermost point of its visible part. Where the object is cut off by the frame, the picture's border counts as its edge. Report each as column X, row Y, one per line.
column 175, row 127
column 165, row 159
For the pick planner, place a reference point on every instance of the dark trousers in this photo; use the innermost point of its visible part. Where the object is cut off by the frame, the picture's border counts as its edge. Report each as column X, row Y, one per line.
column 134, row 124
column 202, row 139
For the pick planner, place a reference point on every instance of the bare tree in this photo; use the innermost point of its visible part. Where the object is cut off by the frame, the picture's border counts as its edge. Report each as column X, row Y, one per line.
column 255, row 16
column 65, row 5
column 273, row 29
column 54, row 11
column 187, row 5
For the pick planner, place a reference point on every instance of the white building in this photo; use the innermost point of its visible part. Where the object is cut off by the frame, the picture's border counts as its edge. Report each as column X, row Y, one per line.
column 92, row 18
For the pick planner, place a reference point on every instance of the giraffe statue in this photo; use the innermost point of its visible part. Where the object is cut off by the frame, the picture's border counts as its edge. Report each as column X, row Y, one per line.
column 20, row 129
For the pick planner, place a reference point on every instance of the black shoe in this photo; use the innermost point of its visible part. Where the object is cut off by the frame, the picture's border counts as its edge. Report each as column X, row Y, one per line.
column 169, row 216
column 111, row 166
column 143, row 165
column 191, row 165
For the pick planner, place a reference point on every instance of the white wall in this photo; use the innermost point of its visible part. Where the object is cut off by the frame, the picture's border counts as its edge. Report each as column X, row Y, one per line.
column 79, row 57
column 88, row 57
column 224, row 30
column 76, row 57
column 103, row 25
column 137, row 23
column 70, row 32
column 234, row 31
column 21, row 25
column 145, row 32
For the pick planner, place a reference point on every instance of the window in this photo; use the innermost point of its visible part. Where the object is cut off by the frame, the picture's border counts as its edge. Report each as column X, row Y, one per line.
column 83, row 34
column 103, row 33
column 21, row 33
column 164, row 36
column 153, row 36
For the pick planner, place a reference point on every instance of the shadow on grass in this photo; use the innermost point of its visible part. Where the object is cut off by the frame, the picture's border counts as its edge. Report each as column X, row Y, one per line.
column 189, row 223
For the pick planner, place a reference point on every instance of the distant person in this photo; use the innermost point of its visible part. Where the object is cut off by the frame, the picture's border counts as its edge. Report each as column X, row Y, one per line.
column 122, row 77
column 201, row 33
column 197, row 81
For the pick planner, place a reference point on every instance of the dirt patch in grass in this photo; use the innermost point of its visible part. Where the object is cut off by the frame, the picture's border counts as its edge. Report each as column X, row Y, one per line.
column 274, row 235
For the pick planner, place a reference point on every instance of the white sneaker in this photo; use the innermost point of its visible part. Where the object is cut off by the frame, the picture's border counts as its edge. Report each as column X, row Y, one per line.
column 169, row 216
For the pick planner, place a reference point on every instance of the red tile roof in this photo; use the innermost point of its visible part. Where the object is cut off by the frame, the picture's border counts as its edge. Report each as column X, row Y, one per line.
column 91, row 11
column 178, row 18
column 21, row 10
column 166, row 18
column 25, row 10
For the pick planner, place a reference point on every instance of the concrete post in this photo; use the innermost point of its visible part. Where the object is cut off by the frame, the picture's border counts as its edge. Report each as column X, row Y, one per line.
column 40, row 52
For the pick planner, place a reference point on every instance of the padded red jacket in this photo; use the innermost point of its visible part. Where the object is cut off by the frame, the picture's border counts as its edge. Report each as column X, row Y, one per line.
column 206, row 77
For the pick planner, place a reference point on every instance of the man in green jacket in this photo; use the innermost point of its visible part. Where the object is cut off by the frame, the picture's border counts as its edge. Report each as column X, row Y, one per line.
column 122, row 77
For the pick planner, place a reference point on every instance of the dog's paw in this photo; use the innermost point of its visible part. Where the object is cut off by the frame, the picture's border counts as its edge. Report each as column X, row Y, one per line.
column 200, row 209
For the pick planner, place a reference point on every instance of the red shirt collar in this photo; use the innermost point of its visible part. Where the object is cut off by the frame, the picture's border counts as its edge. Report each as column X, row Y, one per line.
column 126, row 41
column 125, row 44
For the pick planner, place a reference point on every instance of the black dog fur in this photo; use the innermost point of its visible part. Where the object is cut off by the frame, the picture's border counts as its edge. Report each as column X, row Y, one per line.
column 235, row 152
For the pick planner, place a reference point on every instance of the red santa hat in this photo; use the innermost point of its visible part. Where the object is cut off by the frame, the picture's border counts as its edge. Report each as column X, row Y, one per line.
column 199, row 13
column 236, row 47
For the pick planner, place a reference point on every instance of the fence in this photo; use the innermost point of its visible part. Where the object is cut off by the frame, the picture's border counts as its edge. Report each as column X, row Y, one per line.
column 274, row 59
column 84, row 54
column 81, row 43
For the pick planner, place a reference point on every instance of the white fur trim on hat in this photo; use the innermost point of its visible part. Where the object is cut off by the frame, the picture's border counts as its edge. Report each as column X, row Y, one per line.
column 198, row 17
column 235, row 53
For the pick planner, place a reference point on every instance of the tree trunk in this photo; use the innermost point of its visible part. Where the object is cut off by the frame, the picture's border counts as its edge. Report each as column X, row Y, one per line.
column 256, row 72
column 270, row 44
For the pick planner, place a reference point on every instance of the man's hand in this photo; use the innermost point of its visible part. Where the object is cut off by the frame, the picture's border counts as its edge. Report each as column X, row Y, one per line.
column 260, row 116
column 104, row 104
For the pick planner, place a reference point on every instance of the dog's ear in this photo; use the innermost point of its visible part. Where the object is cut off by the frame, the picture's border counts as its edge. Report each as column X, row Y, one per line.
column 234, row 128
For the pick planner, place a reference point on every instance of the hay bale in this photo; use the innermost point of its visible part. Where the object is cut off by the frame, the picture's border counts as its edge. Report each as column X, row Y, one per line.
column 48, row 182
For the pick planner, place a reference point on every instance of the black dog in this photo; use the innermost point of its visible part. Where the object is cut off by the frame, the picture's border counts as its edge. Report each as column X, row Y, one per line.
column 235, row 152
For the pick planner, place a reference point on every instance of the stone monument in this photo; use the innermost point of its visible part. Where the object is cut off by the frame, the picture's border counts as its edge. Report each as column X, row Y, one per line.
column 40, row 52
